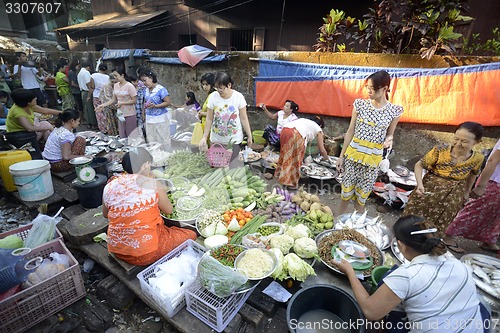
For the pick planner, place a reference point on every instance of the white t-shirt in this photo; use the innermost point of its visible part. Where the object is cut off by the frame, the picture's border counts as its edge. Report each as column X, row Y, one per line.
column 100, row 80
column 53, row 147
column 437, row 294
column 307, row 128
column 226, row 125
column 83, row 78
column 28, row 77
column 282, row 121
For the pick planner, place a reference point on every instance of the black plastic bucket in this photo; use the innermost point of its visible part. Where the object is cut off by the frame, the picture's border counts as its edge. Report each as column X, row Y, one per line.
column 327, row 298
column 100, row 165
column 90, row 194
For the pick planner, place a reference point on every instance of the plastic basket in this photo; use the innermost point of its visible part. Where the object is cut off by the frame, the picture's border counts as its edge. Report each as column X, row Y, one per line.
column 214, row 311
column 218, row 156
column 31, row 306
column 168, row 306
column 23, row 232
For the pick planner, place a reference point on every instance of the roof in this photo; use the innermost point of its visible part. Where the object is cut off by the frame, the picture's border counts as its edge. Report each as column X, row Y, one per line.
column 113, row 21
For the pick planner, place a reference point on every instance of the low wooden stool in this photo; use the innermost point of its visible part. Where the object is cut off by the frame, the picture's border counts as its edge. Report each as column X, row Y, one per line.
column 130, row 270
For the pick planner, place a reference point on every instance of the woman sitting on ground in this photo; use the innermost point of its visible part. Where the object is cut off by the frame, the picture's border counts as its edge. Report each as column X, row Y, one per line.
column 271, row 134
column 436, row 292
column 22, row 127
column 62, row 144
column 132, row 202
column 452, row 170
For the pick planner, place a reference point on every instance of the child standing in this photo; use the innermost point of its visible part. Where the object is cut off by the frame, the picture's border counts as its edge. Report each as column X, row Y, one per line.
column 371, row 130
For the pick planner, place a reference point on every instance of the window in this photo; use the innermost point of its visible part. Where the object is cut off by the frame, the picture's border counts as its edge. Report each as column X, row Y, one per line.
column 240, row 39
column 152, row 35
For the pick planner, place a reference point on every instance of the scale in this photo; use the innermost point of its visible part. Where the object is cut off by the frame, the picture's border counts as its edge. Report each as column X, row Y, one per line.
column 84, row 172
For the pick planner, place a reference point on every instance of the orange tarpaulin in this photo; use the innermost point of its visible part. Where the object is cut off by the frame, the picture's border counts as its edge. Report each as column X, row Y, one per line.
column 433, row 96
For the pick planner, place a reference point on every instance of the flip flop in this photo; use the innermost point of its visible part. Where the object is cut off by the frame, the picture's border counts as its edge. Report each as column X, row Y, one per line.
column 455, row 248
column 488, row 249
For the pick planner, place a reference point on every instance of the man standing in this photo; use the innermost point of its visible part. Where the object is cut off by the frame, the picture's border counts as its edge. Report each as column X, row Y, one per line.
column 85, row 86
column 27, row 75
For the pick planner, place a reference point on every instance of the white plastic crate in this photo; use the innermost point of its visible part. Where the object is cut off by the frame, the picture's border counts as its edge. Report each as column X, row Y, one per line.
column 170, row 305
column 216, row 312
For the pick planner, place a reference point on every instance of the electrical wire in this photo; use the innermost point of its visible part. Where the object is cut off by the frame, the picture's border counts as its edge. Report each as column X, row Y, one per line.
column 169, row 21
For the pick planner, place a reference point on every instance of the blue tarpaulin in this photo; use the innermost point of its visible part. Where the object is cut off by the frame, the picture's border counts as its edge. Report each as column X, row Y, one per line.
column 125, row 53
column 176, row 61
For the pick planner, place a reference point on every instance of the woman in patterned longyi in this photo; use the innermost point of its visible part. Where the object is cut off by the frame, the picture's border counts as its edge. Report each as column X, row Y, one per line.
column 132, row 202
column 371, row 130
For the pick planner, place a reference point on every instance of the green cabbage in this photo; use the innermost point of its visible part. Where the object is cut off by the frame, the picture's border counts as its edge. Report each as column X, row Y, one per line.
column 297, row 268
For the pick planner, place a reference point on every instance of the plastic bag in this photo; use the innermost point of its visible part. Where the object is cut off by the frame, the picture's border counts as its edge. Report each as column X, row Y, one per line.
column 254, row 241
column 49, row 267
column 220, row 280
column 197, row 134
column 43, row 230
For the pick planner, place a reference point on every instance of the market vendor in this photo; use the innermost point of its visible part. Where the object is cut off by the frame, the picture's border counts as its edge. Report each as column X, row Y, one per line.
column 452, row 170
column 22, row 127
column 294, row 138
column 271, row 134
column 132, row 202
column 437, row 293
column 62, row 144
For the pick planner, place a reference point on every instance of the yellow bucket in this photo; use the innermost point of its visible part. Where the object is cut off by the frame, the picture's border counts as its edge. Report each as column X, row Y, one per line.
column 257, row 137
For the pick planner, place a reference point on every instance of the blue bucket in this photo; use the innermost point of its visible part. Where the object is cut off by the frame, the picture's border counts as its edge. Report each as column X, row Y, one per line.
column 173, row 127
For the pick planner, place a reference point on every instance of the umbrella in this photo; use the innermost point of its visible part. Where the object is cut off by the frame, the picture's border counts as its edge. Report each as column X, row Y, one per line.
column 193, row 54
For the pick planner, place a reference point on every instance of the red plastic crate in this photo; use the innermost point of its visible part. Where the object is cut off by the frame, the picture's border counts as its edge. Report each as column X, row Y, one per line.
column 31, row 306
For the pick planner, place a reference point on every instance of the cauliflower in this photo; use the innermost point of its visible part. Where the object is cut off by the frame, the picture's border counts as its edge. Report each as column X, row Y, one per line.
column 305, row 247
column 282, row 242
column 297, row 268
column 299, row 231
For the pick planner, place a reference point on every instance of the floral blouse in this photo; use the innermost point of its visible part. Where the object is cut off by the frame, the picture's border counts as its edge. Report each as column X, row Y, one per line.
column 226, row 124
column 438, row 161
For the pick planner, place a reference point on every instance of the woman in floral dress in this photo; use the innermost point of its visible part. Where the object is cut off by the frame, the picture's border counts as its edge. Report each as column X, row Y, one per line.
column 132, row 202
column 226, row 116
column 451, row 172
column 371, row 130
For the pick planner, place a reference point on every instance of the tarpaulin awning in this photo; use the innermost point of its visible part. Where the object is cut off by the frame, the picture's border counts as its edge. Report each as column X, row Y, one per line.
column 177, row 61
column 124, row 53
column 113, row 21
column 193, row 54
column 433, row 96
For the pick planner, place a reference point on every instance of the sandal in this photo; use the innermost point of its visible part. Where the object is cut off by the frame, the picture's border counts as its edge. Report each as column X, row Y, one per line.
column 454, row 247
column 488, row 249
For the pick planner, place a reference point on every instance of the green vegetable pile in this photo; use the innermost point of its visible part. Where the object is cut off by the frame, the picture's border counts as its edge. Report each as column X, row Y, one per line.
column 226, row 254
column 268, row 230
column 219, row 279
column 184, row 163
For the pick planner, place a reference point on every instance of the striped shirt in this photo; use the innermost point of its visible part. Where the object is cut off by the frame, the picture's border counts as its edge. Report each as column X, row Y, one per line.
column 438, row 295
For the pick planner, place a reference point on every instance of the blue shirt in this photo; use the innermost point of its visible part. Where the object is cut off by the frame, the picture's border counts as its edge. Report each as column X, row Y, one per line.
column 155, row 97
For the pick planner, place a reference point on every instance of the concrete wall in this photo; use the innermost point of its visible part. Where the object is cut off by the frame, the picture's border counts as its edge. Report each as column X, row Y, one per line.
column 411, row 140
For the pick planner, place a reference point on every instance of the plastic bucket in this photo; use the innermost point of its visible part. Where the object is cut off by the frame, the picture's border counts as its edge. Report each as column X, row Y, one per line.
column 377, row 275
column 32, row 179
column 173, row 126
column 100, row 165
column 90, row 194
column 327, row 298
column 257, row 137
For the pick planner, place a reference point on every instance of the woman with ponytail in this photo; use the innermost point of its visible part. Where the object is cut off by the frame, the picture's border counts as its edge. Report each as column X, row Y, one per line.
column 437, row 292
column 62, row 144
column 371, row 131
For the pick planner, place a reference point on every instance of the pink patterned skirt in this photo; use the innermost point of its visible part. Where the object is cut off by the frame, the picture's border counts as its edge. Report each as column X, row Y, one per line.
column 479, row 219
